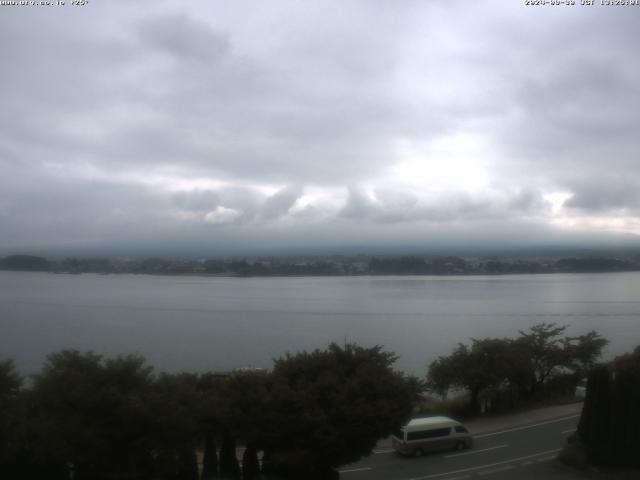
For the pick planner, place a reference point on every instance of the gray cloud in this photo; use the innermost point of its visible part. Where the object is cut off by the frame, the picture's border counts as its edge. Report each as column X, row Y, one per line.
column 605, row 195
column 247, row 204
column 280, row 202
column 45, row 210
column 184, row 38
column 118, row 121
column 385, row 206
column 359, row 205
column 197, row 200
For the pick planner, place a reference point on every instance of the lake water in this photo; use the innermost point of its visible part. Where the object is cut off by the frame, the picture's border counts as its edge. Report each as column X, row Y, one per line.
column 212, row 323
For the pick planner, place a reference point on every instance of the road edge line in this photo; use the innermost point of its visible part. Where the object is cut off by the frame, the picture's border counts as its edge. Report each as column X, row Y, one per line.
column 470, row 469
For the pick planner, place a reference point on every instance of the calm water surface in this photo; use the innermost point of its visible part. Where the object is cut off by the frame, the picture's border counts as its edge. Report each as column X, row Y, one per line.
column 198, row 323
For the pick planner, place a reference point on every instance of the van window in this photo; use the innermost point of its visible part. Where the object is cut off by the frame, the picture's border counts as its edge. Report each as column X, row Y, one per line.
column 461, row 429
column 435, row 432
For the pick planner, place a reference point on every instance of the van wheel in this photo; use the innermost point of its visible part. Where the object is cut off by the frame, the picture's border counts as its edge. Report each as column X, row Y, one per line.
column 461, row 446
column 418, row 452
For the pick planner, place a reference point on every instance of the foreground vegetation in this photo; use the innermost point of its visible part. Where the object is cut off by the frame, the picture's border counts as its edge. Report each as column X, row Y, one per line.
column 609, row 428
column 113, row 418
column 500, row 373
column 88, row 417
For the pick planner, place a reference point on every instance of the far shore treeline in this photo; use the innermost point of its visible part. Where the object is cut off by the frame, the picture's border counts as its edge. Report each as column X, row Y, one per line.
column 89, row 417
column 324, row 266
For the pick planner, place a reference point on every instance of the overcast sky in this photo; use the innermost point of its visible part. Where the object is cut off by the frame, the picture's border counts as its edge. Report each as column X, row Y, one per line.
column 244, row 124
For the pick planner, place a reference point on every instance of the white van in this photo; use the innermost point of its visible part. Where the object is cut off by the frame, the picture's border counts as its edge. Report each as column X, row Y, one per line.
column 430, row 434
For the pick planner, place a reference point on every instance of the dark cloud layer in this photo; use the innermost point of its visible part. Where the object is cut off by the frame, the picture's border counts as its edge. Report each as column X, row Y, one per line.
column 205, row 123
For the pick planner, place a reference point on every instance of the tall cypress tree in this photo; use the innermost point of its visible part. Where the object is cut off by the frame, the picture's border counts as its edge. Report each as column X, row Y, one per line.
column 210, row 459
column 586, row 423
column 625, row 424
column 166, row 465
column 599, row 432
column 620, row 409
column 633, row 421
column 610, row 421
column 250, row 464
column 229, row 467
column 187, row 464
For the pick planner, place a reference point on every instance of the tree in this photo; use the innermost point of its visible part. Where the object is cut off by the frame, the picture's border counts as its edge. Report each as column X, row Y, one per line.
column 231, row 408
column 210, row 413
column 594, row 421
column 229, row 466
column 91, row 414
column 187, row 463
column 550, row 355
column 174, row 405
column 243, row 399
column 209, row 458
column 487, row 365
column 584, row 351
column 609, row 426
column 443, row 374
column 250, row 464
column 329, row 407
column 544, row 349
column 11, row 420
column 503, row 368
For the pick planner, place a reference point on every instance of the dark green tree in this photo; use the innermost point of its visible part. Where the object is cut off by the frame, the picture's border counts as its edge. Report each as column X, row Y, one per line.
column 211, row 417
column 609, row 426
column 187, row 463
column 250, row 464
column 594, row 421
column 521, row 367
column 91, row 414
column 543, row 346
column 240, row 403
column 229, row 466
column 174, row 404
column 550, row 354
column 583, row 352
column 327, row 408
column 442, row 375
column 12, row 421
column 487, row 365
column 625, row 414
column 210, row 457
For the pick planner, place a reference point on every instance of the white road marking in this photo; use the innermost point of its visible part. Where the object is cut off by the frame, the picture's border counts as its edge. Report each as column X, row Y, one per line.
column 545, row 459
column 525, row 427
column 496, row 470
column 571, row 430
column 480, row 467
column 383, row 451
column 474, row 451
column 362, row 469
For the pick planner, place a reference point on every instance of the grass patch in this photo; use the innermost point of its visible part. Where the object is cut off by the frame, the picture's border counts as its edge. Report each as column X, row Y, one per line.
column 457, row 406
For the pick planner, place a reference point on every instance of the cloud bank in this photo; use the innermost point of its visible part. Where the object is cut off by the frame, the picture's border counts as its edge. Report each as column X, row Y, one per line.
column 330, row 122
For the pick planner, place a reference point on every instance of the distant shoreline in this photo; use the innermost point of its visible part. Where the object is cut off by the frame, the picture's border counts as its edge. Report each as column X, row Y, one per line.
column 336, row 266
column 301, row 275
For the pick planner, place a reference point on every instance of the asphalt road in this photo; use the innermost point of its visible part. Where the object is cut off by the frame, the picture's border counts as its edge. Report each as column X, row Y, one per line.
column 509, row 453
